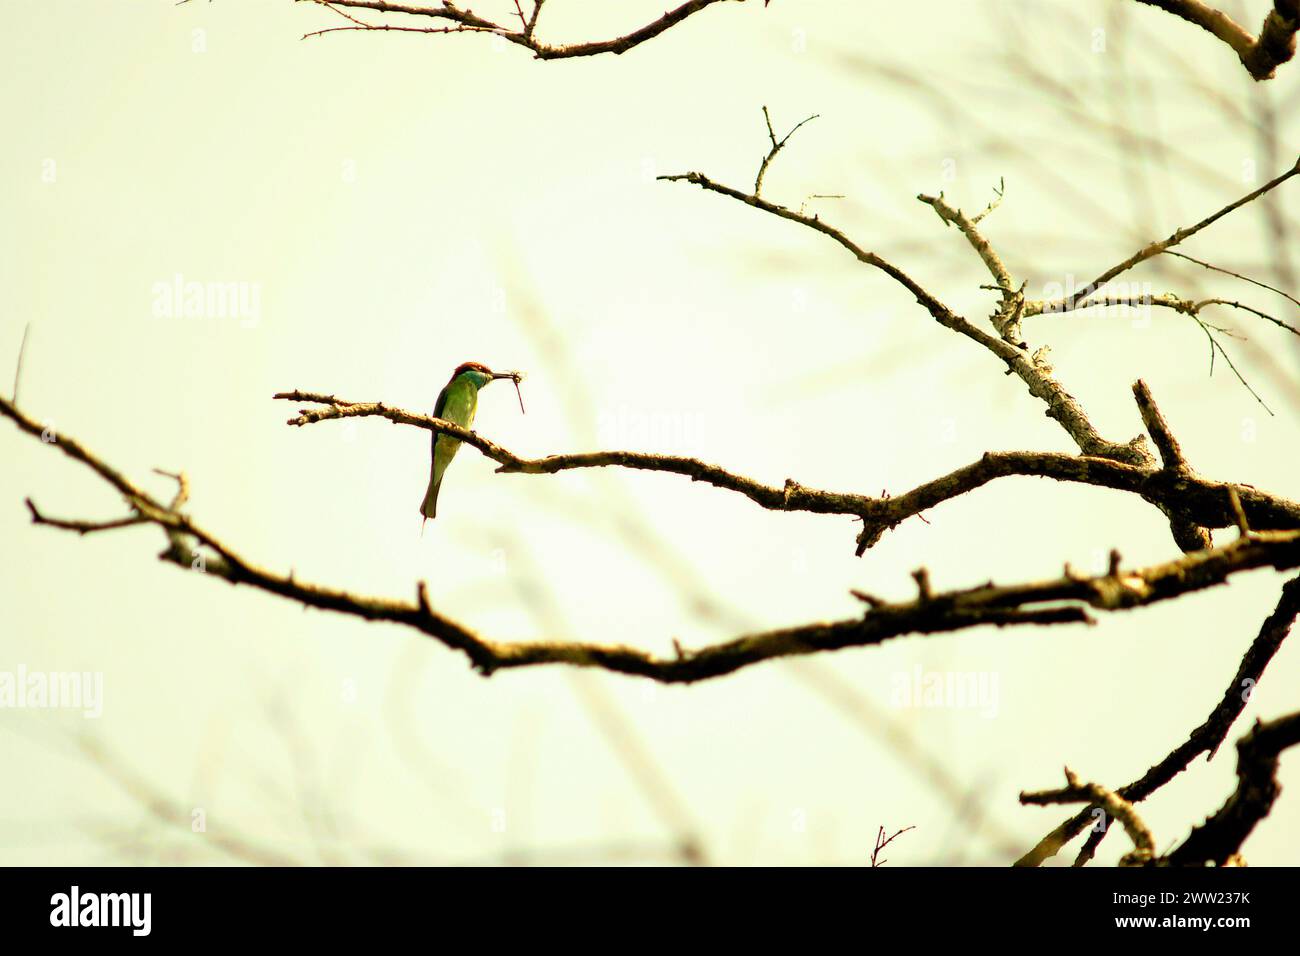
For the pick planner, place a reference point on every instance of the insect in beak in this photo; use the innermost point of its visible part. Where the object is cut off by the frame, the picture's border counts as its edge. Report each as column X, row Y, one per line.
column 515, row 377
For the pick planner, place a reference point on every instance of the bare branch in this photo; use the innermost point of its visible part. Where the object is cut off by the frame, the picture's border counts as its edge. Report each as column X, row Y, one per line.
column 1188, row 535
column 182, row 487
column 1236, row 275
column 1014, row 307
column 532, row 20
column 996, row 201
column 883, row 841
column 1116, row 807
column 464, row 20
column 1007, row 319
column 1186, row 494
column 1253, row 311
column 981, row 245
column 1217, row 347
column 1076, row 299
column 81, row 527
column 1061, row 405
column 1219, row 838
column 1062, row 600
column 1171, row 453
column 1260, row 55
column 1205, row 739
column 777, row 146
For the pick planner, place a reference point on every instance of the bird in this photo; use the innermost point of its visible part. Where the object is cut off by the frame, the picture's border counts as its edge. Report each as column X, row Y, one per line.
column 456, row 403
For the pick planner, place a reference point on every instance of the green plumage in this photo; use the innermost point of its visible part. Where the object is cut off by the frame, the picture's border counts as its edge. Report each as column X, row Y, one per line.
column 457, row 403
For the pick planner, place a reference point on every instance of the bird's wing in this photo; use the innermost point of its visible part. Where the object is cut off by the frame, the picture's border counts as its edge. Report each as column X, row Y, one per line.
column 438, row 408
column 441, row 403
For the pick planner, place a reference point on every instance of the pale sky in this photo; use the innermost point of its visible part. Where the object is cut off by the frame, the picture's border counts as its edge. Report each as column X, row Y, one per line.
column 393, row 205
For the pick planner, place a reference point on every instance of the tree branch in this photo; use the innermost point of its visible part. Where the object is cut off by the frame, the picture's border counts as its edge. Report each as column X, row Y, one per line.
column 1007, row 319
column 1220, row 837
column 1183, row 493
column 1061, row 405
column 463, row 20
column 1260, row 55
column 1078, row 298
column 81, row 527
column 1061, row 600
column 1115, row 806
column 1205, row 739
column 777, row 146
column 1188, row 535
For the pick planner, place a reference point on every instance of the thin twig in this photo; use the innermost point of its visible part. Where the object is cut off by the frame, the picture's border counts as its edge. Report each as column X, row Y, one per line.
column 883, row 841
column 1235, row 275
column 1076, row 299
column 464, row 20
column 18, row 368
column 776, row 147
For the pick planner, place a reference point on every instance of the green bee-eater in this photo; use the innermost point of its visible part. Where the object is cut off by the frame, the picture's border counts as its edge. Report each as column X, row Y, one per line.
column 456, row 403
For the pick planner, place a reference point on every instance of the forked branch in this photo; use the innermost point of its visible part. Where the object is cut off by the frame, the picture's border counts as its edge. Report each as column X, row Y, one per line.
column 447, row 18
column 1260, row 55
column 1181, row 492
column 1067, row 599
column 1205, row 739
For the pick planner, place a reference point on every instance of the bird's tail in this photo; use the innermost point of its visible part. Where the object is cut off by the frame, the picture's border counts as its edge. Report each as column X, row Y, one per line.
column 429, row 507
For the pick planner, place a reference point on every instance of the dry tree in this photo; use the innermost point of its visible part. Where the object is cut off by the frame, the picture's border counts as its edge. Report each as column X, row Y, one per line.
column 1150, row 466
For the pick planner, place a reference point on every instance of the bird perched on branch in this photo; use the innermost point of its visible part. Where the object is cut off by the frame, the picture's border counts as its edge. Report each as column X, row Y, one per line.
column 457, row 403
